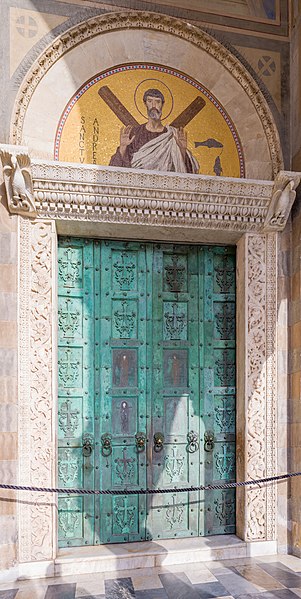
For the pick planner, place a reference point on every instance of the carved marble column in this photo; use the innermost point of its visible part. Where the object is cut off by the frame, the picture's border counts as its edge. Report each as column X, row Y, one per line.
column 257, row 384
column 36, row 417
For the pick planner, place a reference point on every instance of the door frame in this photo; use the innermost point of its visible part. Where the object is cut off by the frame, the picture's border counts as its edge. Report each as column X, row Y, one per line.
column 257, row 382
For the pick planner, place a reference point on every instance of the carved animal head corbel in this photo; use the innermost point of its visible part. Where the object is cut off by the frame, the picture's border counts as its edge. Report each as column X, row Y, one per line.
column 283, row 196
column 17, row 180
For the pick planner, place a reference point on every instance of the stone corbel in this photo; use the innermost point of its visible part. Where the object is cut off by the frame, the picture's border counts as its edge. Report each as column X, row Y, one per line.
column 18, row 180
column 283, row 196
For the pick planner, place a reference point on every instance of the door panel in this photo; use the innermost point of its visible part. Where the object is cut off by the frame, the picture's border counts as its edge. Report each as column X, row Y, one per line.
column 175, row 390
column 146, row 388
column 219, row 385
column 123, row 385
column 76, row 389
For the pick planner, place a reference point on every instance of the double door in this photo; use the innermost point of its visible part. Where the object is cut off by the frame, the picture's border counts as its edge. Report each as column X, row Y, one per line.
column 146, row 377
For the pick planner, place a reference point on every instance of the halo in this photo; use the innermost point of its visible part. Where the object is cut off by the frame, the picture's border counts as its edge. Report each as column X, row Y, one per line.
column 146, row 84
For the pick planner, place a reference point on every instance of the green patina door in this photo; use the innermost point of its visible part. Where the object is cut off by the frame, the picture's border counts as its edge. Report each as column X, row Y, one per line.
column 146, row 388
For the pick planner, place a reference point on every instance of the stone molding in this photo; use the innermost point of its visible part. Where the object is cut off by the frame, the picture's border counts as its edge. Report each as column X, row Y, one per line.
column 148, row 21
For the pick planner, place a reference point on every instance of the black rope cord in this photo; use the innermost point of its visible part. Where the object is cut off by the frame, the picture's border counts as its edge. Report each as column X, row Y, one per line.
column 245, row 483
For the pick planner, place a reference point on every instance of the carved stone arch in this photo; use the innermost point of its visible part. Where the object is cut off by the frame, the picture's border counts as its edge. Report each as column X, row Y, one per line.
column 114, row 38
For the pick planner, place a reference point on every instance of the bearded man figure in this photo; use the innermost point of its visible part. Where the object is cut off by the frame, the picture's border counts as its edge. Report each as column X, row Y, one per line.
column 152, row 146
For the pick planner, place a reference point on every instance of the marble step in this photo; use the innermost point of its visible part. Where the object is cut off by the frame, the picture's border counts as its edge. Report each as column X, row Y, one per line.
column 150, row 554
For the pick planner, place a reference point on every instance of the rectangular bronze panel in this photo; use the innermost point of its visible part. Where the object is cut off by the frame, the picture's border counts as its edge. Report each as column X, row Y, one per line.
column 175, row 363
column 124, row 367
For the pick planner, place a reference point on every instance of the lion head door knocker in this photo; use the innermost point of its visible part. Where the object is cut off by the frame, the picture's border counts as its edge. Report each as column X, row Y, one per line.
column 209, row 441
column 158, row 442
column 193, row 442
column 106, row 444
column 140, row 440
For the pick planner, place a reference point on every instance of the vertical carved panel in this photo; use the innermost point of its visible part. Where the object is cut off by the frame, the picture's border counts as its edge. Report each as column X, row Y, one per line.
column 256, row 385
column 271, row 412
column 35, row 413
column 261, row 381
column 76, row 390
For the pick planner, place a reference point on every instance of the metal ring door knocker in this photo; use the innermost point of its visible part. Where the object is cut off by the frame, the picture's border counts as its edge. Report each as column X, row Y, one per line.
column 193, row 442
column 158, row 442
column 106, row 444
column 209, row 441
column 140, row 440
column 87, row 445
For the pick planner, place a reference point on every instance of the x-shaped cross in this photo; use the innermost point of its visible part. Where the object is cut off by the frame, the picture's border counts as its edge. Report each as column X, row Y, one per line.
column 127, row 119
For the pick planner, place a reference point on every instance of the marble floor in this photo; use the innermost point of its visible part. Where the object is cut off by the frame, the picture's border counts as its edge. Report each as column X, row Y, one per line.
column 269, row 577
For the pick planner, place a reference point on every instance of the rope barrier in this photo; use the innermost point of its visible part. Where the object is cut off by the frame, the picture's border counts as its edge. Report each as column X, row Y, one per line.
column 233, row 485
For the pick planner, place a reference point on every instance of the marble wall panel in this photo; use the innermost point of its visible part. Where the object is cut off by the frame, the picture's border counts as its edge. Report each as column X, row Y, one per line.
column 8, row 555
column 9, row 446
column 294, row 437
column 8, row 361
column 8, row 384
column 8, row 418
column 283, row 292
column 8, row 278
column 8, row 334
column 295, row 90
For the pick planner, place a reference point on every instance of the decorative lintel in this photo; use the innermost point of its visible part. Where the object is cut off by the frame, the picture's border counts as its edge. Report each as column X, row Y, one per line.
column 65, row 191
column 105, row 194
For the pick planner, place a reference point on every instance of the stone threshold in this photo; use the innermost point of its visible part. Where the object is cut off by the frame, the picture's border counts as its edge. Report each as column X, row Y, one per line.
column 146, row 554
column 154, row 554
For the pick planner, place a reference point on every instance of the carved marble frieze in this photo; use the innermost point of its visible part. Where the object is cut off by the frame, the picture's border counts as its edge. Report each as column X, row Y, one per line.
column 110, row 22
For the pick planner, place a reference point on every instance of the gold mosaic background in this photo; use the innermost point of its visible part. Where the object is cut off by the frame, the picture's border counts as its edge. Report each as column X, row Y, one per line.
column 91, row 131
